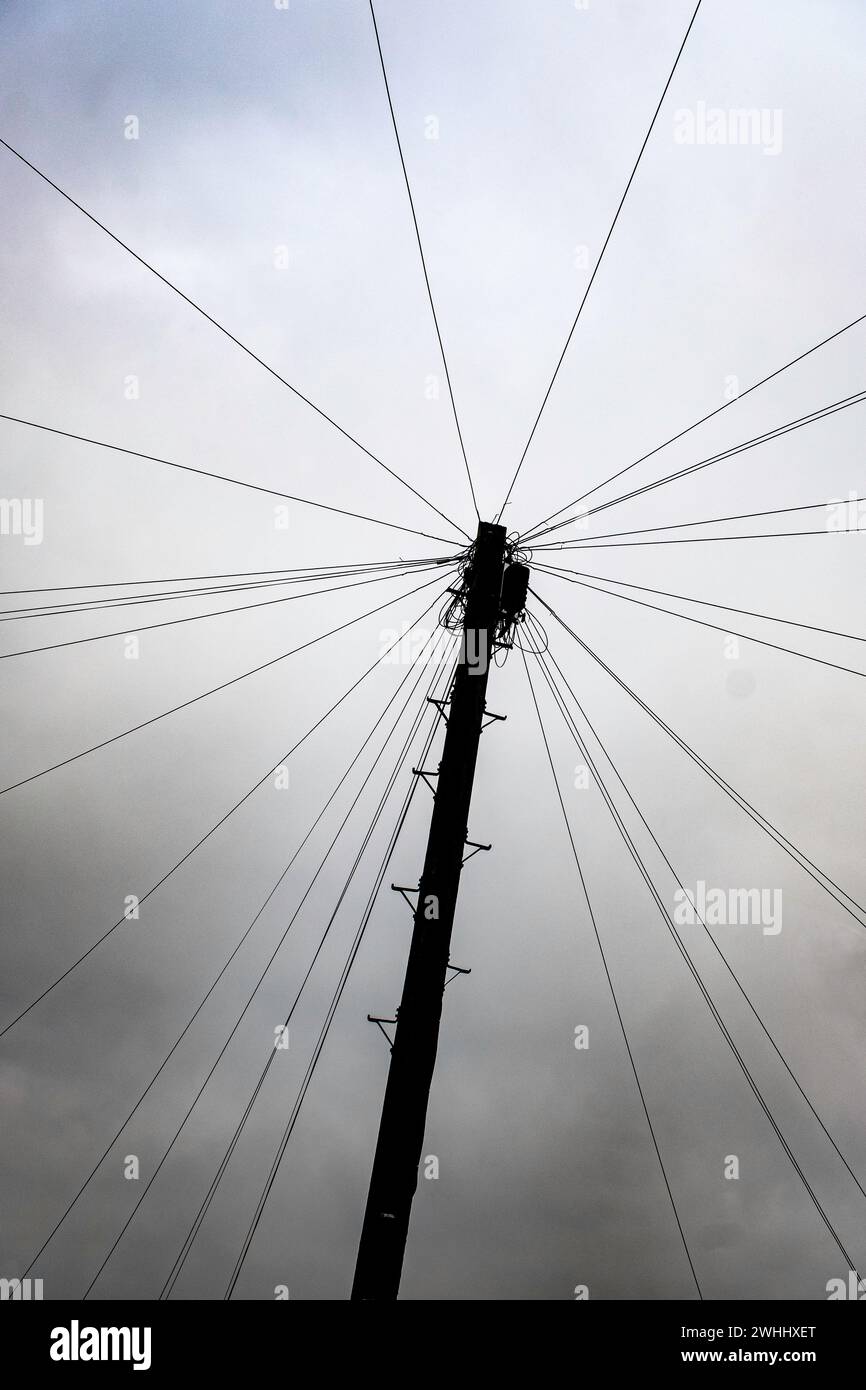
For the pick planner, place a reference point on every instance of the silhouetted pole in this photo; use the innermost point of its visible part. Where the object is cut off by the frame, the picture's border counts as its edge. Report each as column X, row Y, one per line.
column 404, row 1112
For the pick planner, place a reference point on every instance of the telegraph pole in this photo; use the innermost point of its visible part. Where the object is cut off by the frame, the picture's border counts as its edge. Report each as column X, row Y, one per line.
column 413, row 1055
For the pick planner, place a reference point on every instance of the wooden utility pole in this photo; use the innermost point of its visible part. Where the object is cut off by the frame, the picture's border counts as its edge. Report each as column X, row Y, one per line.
column 413, row 1056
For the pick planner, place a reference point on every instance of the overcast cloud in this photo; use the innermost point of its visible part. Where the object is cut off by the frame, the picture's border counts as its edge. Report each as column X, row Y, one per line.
column 261, row 129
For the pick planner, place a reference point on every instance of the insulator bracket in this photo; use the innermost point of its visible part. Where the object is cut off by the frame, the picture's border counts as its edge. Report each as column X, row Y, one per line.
column 379, row 1022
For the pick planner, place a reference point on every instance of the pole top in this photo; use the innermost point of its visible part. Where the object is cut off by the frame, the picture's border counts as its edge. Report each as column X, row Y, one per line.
column 490, row 533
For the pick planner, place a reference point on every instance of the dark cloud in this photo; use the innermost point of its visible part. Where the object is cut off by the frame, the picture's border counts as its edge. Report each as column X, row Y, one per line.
column 262, row 129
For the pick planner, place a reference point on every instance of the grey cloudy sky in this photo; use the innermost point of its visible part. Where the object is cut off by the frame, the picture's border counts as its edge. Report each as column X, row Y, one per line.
column 261, row 129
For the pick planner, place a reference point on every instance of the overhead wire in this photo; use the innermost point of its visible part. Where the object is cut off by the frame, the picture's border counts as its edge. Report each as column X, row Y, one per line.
column 851, row 906
column 812, row 417
column 98, row 605
column 701, row 622
column 718, row 409
column 323, row 1034
column 224, row 478
column 303, row 571
column 704, row 540
column 609, row 978
column 200, row 617
column 576, row 542
column 392, row 698
column 707, row 603
column 599, row 261
column 253, row 992
column 231, row 336
column 423, row 258
column 756, row 1090
column 548, row 657
column 194, row 699
column 213, row 829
